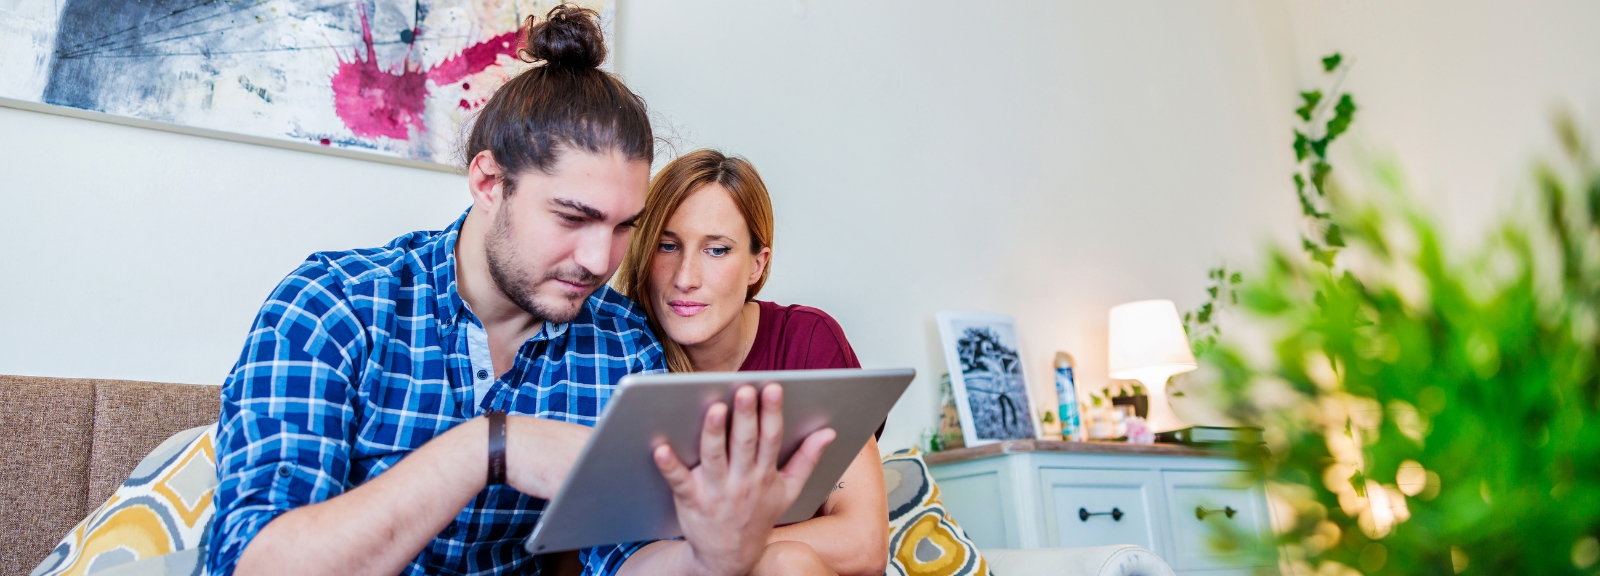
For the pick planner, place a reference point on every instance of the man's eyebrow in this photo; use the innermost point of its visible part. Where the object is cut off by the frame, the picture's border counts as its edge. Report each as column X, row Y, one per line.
column 634, row 219
column 587, row 210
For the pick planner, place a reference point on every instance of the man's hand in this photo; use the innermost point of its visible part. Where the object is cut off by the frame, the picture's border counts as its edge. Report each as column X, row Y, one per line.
column 728, row 503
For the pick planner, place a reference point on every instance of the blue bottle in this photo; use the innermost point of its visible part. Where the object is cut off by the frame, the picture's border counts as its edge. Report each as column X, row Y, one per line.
column 1067, row 399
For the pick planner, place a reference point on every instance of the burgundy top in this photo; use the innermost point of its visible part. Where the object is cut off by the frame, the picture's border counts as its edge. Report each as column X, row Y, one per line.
column 799, row 337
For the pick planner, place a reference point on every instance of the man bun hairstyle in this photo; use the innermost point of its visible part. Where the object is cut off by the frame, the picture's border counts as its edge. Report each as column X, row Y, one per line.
column 569, row 37
column 564, row 102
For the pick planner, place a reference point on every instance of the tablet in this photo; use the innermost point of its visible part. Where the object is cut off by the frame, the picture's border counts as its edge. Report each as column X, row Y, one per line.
column 616, row 494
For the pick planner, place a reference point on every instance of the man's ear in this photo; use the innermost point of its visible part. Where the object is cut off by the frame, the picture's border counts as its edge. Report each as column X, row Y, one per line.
column 485, row 181
column 762, row 258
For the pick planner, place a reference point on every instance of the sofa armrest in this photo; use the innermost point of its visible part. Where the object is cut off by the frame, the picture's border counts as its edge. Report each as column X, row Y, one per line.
column 1121, row 560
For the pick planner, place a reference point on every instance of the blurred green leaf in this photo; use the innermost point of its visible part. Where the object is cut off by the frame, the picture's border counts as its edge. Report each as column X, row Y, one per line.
column 1343, row 114
column 1319, row 176
column 1310, row 100
column 1442, row 400
column 1334, row 236
column 1331, row 61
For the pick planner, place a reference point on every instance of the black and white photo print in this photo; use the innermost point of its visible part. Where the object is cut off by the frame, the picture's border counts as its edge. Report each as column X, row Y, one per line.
column 987, row 373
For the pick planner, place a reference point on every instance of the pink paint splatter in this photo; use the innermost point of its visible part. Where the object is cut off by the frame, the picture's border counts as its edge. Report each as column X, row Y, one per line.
column 373, row 102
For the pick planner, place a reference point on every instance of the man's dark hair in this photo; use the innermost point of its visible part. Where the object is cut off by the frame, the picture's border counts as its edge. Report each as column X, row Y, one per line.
column 564, row 102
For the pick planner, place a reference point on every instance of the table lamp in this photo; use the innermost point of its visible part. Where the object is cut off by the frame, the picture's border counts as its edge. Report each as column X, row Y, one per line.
column 1148, row 344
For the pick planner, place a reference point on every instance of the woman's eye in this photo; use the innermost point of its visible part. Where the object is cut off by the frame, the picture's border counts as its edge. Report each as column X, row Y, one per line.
column 667, row 247
column 718, row 251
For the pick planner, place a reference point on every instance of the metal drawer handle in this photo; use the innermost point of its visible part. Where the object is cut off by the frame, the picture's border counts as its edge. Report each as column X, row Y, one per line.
column 1115, row 514
column 1201, row 512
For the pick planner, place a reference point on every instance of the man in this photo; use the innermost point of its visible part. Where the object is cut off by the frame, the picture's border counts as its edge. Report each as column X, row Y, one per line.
column 355, row 433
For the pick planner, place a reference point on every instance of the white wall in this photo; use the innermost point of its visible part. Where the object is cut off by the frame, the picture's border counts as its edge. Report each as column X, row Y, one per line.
column 1041, row 158
column 139, row 254
column 1046, row 159
column 1460, row 92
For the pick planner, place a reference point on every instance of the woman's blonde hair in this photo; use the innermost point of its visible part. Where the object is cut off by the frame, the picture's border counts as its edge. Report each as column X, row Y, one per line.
column 674, row 183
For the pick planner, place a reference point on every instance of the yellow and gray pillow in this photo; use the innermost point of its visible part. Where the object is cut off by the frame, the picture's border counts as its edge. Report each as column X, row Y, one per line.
column 155, row 524
column 923, row 539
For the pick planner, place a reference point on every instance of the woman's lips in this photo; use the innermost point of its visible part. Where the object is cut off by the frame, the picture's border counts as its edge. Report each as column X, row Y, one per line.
column 686, row 307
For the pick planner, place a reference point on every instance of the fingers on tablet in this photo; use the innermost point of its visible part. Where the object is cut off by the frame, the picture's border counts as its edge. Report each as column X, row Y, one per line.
column 771, row 425
column 742, row 451
column 677, row 476
column 805, row 459
column 714, row 442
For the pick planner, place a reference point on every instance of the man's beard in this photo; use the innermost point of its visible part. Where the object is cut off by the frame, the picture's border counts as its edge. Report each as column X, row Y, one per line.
column 516, row 284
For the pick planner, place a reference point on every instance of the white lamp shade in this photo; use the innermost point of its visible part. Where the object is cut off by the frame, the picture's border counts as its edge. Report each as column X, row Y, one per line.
column 1147, row 342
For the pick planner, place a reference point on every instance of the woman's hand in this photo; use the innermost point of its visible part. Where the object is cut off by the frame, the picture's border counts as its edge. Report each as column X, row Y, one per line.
column 728, row 503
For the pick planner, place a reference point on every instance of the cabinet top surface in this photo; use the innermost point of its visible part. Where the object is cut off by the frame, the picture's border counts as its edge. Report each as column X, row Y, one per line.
column 1092, row 447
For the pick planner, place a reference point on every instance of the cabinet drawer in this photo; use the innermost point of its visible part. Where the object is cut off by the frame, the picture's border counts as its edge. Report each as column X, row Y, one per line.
column 1085, row 507
column 1199, row 505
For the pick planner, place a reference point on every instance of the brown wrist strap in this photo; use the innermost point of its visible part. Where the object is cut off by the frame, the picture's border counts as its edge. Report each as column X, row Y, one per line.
column 497, row 448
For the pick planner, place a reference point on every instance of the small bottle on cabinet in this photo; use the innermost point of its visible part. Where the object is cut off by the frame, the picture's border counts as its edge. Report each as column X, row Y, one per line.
column 1067, row 399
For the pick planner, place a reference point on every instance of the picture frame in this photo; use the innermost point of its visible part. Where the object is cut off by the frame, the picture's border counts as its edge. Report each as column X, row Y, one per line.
column 988, row 376
column 390, row 81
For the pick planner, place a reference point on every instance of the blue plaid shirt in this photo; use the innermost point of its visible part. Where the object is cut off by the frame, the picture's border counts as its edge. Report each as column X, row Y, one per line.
column 360, row 357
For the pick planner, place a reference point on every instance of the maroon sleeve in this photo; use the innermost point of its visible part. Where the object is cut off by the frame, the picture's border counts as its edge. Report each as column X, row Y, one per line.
column 818, row 342
column 821, row 345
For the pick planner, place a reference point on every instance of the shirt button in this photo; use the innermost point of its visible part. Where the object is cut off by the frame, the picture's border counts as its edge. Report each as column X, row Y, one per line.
column 283, row 471
column 450, row 531
column 482, row 374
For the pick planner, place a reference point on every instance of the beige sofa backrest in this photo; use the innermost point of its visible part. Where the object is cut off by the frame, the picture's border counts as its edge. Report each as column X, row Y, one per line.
column 67, row 443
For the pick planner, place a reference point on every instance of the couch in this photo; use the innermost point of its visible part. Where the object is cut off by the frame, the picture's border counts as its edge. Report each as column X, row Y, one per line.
column 66, row 444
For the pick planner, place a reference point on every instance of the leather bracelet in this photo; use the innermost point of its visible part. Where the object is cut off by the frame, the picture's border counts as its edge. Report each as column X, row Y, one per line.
column 497, row 447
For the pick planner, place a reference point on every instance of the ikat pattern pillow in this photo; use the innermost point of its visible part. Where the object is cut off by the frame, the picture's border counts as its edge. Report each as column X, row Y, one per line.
column 923, row 539
column 155, row 523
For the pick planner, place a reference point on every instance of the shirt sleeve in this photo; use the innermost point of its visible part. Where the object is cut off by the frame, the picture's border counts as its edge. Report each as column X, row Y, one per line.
column 282, row 439
column 820, row 342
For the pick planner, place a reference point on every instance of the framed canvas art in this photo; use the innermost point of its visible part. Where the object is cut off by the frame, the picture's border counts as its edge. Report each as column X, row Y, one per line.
column 381, row 79
column 986, row 373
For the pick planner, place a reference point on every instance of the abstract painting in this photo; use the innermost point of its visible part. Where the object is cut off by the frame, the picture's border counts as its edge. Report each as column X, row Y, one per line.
column 986, row 372
column 390, row 77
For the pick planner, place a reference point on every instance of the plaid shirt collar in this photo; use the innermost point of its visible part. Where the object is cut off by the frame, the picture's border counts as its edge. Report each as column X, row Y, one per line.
column 439, row 255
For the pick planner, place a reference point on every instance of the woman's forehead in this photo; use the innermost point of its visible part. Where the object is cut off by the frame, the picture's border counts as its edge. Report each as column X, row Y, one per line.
column 709, row 211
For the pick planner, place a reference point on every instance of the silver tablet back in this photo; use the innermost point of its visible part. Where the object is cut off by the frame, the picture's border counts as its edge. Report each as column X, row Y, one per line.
column 615, row 493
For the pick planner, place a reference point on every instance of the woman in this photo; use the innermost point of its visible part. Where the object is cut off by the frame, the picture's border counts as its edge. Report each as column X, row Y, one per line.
column 700, row 253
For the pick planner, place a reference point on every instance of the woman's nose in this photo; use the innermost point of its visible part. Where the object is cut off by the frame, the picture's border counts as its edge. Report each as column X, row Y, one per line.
column 688, row 275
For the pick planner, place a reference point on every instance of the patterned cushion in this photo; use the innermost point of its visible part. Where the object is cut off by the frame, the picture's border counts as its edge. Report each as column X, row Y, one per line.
column 924, row 540
column 156, row 523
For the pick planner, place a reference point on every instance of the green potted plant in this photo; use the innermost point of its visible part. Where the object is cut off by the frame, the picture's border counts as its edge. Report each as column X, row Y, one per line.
column 1429, row 409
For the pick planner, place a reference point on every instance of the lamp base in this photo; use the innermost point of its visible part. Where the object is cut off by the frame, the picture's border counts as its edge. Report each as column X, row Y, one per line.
column 1161, row 418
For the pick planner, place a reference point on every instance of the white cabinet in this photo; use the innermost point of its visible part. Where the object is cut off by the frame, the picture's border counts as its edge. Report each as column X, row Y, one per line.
column 1089, row 507
column 1034, row 494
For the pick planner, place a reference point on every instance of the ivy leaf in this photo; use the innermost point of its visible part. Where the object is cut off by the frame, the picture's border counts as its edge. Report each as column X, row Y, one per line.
column 1306, row 207
column 1332, row 61
column 1236, row 278
column 1212, row 291
column 1343, row 113
column 1319, row 176
column 1335, row 236
column 1320, row 147
column 1301, row 146
column 1594, row 201
column 1311, row 99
